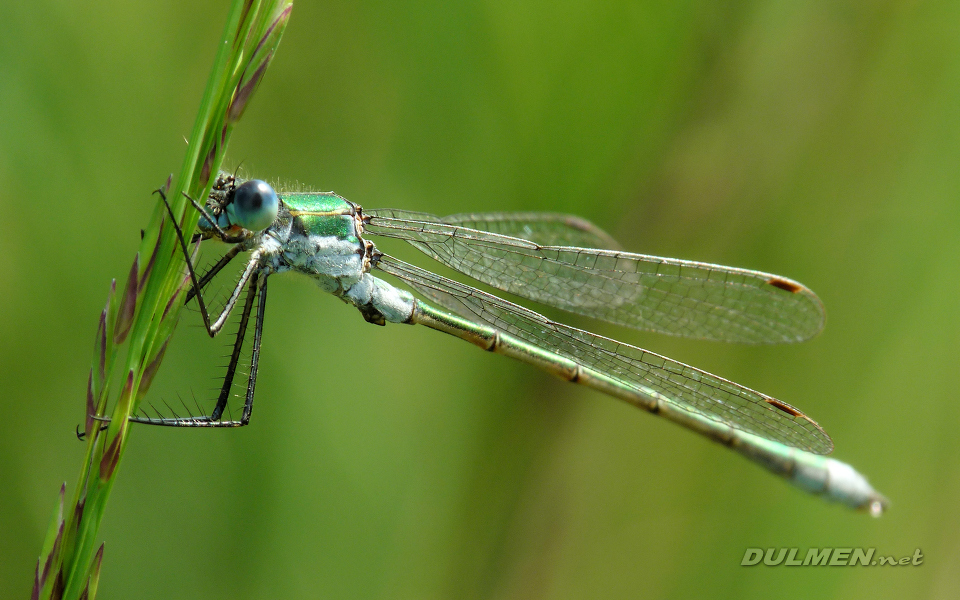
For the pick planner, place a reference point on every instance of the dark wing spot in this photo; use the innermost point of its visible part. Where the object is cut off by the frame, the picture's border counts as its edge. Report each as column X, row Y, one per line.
column 785, row 407
column 785, row 285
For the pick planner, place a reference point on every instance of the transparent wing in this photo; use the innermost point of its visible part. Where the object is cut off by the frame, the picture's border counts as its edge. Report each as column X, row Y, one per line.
column 546, row 228
column 666, row 295
column 634, row 368
column 549, row 229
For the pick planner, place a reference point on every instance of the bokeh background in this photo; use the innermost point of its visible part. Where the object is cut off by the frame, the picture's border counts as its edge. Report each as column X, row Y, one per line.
column 816, row 140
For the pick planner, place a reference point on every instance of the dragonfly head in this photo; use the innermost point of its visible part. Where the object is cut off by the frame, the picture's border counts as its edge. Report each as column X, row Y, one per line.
column 253, row 205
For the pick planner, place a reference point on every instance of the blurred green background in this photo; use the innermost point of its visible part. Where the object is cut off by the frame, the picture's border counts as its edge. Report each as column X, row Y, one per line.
column 815, row 140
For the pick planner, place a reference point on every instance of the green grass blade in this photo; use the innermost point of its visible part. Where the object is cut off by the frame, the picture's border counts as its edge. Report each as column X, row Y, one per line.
column 142, row 318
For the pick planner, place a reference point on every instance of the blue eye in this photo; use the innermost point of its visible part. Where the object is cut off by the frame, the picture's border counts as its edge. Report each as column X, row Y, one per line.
column 254, row 205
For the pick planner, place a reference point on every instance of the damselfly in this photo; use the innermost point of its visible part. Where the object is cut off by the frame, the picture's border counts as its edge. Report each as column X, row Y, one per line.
column 555, row 259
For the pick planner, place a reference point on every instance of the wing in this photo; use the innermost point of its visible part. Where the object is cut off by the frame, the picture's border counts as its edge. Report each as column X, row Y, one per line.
column 640, row 373
column 666, row 295
column 549, row 229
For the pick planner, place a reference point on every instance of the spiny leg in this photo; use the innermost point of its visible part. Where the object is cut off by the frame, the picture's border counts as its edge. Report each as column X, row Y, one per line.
column 212, row 329
column 247, row 279
column 235, row 356
column 213, row 420
column 195, row 290
column 212, row 272
column 255, row 352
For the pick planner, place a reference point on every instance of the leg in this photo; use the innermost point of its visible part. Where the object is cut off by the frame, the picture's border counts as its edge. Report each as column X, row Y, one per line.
column 212, row 329
column 213, row 420
column 255, row 354
column 209, row 275
column 235, row 356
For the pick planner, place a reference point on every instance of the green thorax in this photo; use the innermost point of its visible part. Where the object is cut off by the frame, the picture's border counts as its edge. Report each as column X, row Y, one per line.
column 323, row 214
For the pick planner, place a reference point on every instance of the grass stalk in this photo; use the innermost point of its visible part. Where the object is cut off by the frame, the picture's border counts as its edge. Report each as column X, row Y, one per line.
column 141, row 318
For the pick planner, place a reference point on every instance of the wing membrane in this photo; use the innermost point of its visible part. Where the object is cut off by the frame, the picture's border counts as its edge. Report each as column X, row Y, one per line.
column 546, row 228
column 682, row 385
column 666, row 295
column 549, row 229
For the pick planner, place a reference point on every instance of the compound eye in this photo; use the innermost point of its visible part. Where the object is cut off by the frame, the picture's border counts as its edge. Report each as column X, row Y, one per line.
column 254, row 205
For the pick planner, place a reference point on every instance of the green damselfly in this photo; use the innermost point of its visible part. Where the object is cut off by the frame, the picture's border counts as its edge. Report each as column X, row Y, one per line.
column 555, row 259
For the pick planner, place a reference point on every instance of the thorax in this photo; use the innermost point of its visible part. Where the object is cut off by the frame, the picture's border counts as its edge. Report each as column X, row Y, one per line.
column 319, row 234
